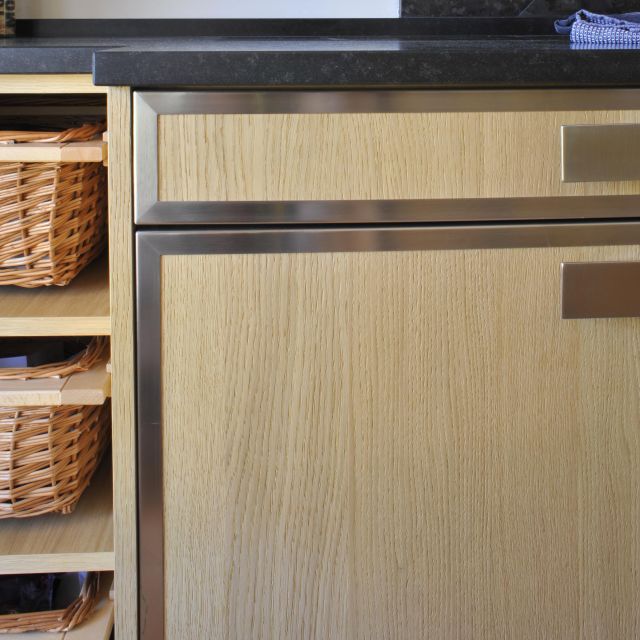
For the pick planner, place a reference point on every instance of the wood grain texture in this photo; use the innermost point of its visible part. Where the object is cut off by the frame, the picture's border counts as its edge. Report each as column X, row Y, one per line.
column 92, row 151
column 82, row 541
column 91, row 387
column 79, row 309
column 397, row 446
column 122, row 362
column 372, row 156
column 49, row 83
column 31, row 393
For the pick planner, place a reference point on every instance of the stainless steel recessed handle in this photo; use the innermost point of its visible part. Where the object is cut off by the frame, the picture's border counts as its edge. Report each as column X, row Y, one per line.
column 600, row 153
column 600, row 290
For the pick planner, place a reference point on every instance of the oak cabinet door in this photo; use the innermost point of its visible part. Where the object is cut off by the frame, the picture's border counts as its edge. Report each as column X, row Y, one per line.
column 393, row 445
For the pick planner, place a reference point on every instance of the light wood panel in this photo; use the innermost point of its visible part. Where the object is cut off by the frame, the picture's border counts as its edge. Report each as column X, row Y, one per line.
column 81, row 541
column 388, row 445
column 31, row 392
column 371, row 156
column 79, row 309
column 91, row 151
column 90, row 387
column 97, row 627
column 122, row 361
column 100, row 624
column 49, row 83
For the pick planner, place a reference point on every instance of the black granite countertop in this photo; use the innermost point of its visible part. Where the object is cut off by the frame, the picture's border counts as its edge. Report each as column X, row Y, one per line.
column 478, row 61
column 383, row 53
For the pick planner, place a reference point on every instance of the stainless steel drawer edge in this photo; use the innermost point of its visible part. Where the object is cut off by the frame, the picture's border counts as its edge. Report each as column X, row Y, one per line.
column 148, row 105
column 346, row 212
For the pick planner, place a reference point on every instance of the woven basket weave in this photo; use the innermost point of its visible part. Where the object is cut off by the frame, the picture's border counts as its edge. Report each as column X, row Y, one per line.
column 59, row 620
column 48, row 456
column 82, row 361
column 52, row 214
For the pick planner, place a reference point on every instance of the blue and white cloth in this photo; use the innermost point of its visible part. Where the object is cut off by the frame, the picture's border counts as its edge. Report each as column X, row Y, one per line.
column 588, row 28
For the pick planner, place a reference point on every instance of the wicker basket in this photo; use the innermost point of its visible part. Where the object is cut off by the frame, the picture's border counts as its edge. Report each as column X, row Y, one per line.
column 82, row 361
column 60, row 620
column 48, row 456
column 52, row 214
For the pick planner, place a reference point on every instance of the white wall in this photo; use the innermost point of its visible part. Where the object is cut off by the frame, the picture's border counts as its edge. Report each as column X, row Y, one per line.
column 207, row 8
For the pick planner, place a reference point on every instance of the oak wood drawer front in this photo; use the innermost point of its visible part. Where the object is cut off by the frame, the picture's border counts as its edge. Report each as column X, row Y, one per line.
column 370, row 156
column 224, row 148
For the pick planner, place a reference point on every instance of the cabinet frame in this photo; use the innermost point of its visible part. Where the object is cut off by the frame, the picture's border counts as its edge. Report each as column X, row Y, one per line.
column 149, row 105
column 153, row 245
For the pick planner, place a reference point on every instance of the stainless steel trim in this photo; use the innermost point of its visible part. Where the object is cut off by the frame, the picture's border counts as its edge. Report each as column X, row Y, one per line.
column 149, row 432
column 351, row 212
column 152, row 245
column 600, row 290
column 408, row 238
column 145, row 155
column 600, row 153
column 401, row 101
column 148, row 105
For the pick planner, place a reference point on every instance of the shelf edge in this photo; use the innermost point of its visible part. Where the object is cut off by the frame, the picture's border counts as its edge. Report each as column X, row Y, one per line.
column 57, row 562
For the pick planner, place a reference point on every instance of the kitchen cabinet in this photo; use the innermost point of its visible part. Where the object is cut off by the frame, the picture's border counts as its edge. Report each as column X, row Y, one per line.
column 83, row 540
column 386, row 444
column 378, row 431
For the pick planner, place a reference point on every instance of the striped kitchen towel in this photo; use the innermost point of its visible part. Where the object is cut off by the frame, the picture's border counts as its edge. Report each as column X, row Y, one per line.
column 589, row 28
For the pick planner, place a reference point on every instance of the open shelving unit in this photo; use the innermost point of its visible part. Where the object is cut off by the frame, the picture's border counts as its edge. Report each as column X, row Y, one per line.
column 83, row 539
column 79, row 309
column 79, row 541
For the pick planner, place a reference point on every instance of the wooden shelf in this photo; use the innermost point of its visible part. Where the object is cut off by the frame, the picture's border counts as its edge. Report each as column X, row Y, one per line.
column 91, row 387
column 79, row 309
column 49, row 83
column 81, row 541
column 92, row 151
column 97, row 627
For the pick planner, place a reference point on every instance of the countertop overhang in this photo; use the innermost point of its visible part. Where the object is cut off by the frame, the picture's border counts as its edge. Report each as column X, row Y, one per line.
column 429, row 53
